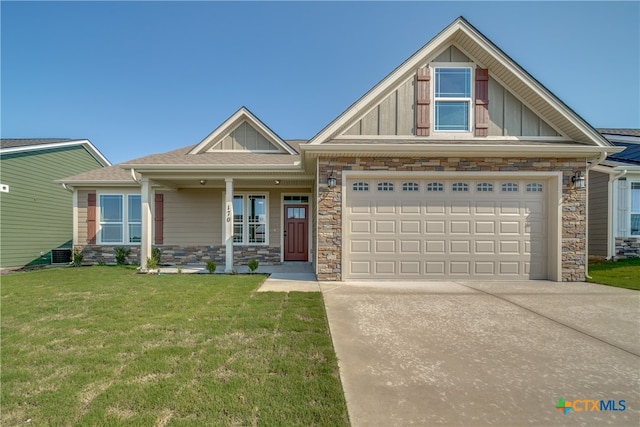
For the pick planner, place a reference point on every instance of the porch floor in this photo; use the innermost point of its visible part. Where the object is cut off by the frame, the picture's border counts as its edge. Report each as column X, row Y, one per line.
column 284, row 268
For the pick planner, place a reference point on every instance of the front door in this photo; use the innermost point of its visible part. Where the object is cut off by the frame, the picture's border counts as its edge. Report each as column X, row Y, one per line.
column 296, row 233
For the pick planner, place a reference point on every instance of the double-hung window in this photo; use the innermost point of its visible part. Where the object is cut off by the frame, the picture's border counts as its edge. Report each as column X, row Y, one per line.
column 120, row 218
column 249, row 219
column 635, row 209
column 452, row 96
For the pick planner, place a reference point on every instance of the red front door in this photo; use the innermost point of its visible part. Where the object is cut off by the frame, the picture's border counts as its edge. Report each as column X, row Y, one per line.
column 296, row 233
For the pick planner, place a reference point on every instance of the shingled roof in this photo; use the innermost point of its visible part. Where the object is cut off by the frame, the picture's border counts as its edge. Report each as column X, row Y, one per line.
column 29, row 142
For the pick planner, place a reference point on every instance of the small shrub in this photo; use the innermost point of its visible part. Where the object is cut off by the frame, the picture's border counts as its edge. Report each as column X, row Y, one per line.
column 151, row 264
column 121, row 255
column 77, row 257
column 179, row 267
column 211, row 266
column 101, row 262
column 253, row 265
column 156, row 254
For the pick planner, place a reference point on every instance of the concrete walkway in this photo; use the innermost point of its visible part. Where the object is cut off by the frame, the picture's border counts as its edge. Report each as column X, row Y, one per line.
column 486, row 353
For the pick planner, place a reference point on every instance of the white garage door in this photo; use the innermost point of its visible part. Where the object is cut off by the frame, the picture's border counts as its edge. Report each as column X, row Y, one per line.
column 445, row 229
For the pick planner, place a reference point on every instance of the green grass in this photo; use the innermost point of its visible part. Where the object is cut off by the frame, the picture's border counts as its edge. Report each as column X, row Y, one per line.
column 106, row 346
column 624, row 273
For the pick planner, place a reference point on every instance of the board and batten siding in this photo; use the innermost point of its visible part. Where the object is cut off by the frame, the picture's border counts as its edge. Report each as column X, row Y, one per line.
column 36, row 213
column 395, row 114
column 598, row 213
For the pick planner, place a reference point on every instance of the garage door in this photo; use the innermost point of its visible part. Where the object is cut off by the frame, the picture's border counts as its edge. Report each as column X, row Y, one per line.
column 445, row 229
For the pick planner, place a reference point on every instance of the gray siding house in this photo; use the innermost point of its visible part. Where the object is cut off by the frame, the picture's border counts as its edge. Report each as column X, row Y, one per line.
column 35, row 212
column 614, row 198
column 457, row 165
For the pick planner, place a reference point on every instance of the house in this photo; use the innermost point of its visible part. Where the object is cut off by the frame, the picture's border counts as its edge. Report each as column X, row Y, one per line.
column 614, row 198
column 35, row 212
column 457, row 165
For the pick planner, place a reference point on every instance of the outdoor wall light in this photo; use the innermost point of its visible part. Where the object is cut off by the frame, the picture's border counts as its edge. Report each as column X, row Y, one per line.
column 203, row 181
column 579, row 180
column 331, row 181
column 277, row 182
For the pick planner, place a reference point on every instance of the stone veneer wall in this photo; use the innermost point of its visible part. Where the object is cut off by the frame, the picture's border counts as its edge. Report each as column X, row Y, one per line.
column 330, row 202
column 627, row 247
column 180, row 255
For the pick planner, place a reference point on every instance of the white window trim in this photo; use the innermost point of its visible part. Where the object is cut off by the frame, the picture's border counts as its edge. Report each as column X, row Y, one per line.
column 125, row 217
column 245, row 222
column 470, row 100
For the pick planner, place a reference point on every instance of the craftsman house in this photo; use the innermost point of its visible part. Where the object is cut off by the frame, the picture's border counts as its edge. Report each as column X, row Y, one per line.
column 457, row 165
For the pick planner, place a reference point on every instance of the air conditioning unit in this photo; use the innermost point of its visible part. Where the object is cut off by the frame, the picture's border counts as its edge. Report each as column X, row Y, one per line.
column 61, row 256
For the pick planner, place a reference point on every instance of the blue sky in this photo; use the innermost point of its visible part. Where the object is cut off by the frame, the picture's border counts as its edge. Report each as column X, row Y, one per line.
column 138, row 78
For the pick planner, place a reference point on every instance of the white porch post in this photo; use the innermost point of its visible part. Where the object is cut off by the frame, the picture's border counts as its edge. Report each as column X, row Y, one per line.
column 146, row 240
column 228, row 267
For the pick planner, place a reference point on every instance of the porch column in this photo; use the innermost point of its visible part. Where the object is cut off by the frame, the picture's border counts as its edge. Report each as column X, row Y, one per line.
column 228, row 266
column 146, row 238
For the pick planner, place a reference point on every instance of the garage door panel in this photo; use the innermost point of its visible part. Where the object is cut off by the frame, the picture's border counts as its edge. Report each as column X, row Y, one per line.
column 435, row 247
column 410, row 267
column 385, row 267
column 478, row 233
column 385, row 207
column 385, row 226
column 410, row 246
column 385, row 246
column 361, row 246
column 360, row 226
column 434, row 227
column 459, row 247
column 459, row 227
column 460, row 207
column 410, row 227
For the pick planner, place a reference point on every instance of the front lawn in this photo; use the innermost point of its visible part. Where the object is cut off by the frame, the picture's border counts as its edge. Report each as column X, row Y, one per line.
column 623, row 274
column 106, row 346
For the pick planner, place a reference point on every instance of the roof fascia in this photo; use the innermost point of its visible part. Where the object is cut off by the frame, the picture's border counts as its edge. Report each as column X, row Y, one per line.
column 95, row 153
column 240, row 116
column 461, row 150
column 409, row 66
column 141, row 168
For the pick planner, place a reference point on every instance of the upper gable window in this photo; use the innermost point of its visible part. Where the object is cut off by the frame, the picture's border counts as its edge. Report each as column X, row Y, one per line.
column 452, row 96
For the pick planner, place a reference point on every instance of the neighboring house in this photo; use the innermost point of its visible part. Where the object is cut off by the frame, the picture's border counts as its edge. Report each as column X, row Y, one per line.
column 614, row 199
column 35, row 212
column 457, row 165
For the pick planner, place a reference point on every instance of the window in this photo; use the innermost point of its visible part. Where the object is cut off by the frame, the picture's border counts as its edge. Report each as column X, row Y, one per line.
column 484, row 187
column 385, row 186
column 635, row 208
column 435, row 186
column 534, row 187
column 115, row 227
column 510, row 187
column 249, row 219
column 296, row 200
column 410, row 186
column 452, row 99
column 460, row 186
column 360, row 186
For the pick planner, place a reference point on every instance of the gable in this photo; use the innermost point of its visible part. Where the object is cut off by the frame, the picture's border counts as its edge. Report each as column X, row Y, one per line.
column 244, row 138
column 505, row 101
column 242, row 132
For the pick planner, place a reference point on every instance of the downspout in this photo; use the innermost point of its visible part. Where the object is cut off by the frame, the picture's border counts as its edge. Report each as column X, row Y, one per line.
column 611, row 242
column 70, row 190
column 590, row 165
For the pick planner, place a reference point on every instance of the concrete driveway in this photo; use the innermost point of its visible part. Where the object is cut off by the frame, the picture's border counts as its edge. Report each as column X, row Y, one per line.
column 481, row 353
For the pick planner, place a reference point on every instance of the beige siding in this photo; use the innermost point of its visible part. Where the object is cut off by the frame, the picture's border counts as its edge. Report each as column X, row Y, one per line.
column 598, row 213
column 395, row 115
column 193, row 217
column 82, row 217
column 510, row 117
